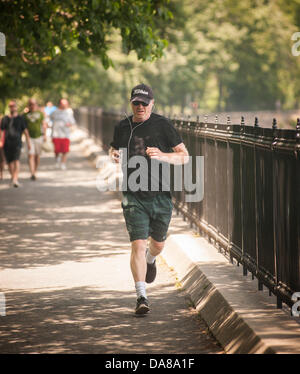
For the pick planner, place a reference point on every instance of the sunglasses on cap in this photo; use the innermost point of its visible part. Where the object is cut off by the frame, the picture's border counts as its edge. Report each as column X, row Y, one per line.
column 137, row 103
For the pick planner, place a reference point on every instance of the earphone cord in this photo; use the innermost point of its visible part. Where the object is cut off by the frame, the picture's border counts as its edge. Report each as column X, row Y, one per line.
column 131, row 132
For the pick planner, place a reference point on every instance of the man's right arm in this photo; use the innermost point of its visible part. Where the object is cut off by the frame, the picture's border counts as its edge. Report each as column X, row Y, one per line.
column 113, row 151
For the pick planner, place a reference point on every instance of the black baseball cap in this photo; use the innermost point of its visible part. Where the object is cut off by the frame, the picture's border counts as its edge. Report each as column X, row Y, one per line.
column 141, row 92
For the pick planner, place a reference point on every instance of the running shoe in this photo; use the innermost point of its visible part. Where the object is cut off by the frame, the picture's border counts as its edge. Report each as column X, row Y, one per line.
column 142, row 305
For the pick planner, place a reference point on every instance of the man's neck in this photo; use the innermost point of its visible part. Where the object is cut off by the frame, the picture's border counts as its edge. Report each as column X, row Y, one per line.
column 139, row 120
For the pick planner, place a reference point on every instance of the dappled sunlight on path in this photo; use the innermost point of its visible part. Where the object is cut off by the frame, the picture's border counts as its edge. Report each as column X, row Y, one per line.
column 65, row 272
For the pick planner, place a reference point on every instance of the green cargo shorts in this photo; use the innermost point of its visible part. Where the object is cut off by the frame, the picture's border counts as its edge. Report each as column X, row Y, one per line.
column 146, row 217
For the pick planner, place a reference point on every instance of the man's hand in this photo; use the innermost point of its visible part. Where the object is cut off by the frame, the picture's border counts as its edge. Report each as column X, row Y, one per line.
column 179, row 155
column 115, row 155
column 155, row 153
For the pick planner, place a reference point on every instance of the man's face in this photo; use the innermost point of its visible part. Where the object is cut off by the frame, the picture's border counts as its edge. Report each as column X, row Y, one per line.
column 32, row 105
column 63, row 104
column 12, row 107
column 141, row 112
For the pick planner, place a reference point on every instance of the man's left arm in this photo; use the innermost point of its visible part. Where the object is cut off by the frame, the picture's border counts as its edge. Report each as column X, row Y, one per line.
column 27, row 137
column 25, row 131
column 179, row 156
column 71, row 120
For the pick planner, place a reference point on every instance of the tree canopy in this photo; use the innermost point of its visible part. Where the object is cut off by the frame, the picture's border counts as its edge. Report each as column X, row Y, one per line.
column 39, row 32
column 207, row 55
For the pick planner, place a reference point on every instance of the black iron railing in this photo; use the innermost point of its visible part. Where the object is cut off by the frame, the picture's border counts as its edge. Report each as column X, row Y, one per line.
column 251, row 205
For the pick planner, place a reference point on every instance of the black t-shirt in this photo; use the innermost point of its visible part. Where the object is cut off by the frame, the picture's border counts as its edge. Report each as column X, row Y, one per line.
column 158, row 132
column 14, row 128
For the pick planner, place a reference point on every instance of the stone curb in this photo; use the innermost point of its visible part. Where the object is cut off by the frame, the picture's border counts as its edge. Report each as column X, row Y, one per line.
column 243, row 319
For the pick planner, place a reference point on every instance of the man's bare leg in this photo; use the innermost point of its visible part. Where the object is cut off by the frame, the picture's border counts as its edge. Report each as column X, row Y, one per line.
column 11, row 169
column 138, row 260
column 31, row 164
column 156, row 247
column 138, row 268
column 14, row 168
column 16, row 171
column 36, row 162
column 64, row 160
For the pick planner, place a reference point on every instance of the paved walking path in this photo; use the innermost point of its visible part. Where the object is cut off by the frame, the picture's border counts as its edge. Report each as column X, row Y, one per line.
column 64, row 271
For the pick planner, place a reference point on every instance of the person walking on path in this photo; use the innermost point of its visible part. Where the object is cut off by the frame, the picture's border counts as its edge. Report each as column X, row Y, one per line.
column 37, row 128
column 12, row 128
column 147, row 211
column 62, row 120
column 49, row 108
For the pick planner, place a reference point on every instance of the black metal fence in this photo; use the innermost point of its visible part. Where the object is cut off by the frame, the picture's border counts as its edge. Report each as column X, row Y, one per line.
column 251, row 205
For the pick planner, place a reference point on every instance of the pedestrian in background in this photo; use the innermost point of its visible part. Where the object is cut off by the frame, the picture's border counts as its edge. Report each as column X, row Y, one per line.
column 12, row 128
column 37, row 128
column 62, row 120
column 49, row 108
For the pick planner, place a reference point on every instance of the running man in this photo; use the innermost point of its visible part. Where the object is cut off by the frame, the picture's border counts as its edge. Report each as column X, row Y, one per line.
column 37, row 128
column 147, row 212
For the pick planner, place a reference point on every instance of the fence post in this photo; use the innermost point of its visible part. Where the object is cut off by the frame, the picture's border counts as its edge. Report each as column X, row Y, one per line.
column 215, row 180
column 275, row 209
column 297, row 155
column 241, row 186
column 260, row 284
column 297, row 148
column 256, row 126
column 229, row 235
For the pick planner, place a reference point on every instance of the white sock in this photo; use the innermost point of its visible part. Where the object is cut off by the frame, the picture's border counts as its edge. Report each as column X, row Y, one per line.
column 149, row 258
column 140, row 289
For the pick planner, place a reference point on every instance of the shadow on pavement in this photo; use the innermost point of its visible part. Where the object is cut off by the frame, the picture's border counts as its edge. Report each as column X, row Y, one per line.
column 90, row 320
column 65, row 272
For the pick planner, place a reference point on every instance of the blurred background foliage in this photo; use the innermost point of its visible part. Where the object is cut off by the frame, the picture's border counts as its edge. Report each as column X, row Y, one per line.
column 198, row 56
